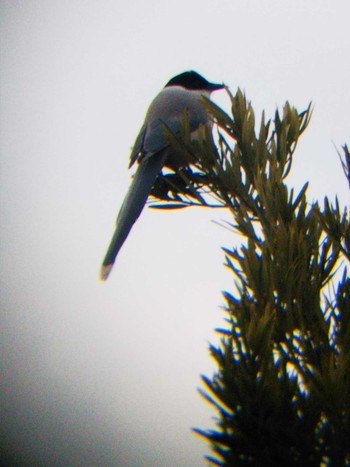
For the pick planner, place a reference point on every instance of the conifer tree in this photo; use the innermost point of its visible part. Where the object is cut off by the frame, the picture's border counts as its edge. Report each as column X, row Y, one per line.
column 282, row 386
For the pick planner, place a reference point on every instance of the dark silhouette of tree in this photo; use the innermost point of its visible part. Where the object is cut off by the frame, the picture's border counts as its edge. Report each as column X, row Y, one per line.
column 282, row 387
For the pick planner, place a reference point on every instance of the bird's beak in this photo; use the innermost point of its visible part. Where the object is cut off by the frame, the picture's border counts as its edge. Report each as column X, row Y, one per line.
column 216, row 87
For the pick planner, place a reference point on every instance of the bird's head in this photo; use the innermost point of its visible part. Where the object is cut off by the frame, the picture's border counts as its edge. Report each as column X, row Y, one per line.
column 193, row 81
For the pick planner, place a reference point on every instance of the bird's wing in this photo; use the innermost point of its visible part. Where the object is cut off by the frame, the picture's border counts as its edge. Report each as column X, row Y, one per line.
column 151, row 138
column 137, row 149
column 155, row 139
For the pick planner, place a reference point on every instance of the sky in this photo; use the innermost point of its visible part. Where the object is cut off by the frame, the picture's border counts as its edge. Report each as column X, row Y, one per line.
column 107, row 373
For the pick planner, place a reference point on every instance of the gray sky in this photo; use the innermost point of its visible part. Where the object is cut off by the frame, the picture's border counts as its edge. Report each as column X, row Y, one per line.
column 106, row 373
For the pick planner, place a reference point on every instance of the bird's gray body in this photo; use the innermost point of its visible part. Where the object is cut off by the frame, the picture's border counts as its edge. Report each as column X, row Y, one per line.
column 152, row 152
column 168, row 109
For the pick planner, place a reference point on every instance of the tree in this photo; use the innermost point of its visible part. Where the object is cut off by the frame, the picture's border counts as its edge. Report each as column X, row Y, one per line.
column 282, row 388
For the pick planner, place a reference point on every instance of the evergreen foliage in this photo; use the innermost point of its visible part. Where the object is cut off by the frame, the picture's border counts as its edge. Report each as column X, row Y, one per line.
column 282, row 388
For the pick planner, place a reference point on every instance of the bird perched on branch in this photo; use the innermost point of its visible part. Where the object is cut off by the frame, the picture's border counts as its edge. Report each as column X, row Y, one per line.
column 152, row 151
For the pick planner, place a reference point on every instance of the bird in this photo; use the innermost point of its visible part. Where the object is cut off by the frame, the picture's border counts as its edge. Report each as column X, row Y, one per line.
column 152, row 151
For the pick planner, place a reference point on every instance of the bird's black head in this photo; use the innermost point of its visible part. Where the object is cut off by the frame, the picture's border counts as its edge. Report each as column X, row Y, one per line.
column 193, row 81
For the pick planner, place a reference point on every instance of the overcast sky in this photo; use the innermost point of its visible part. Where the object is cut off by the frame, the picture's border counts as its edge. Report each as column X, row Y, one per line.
column 107, row 373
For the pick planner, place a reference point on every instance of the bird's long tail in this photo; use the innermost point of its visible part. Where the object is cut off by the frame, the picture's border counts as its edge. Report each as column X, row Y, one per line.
column 132, row 206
